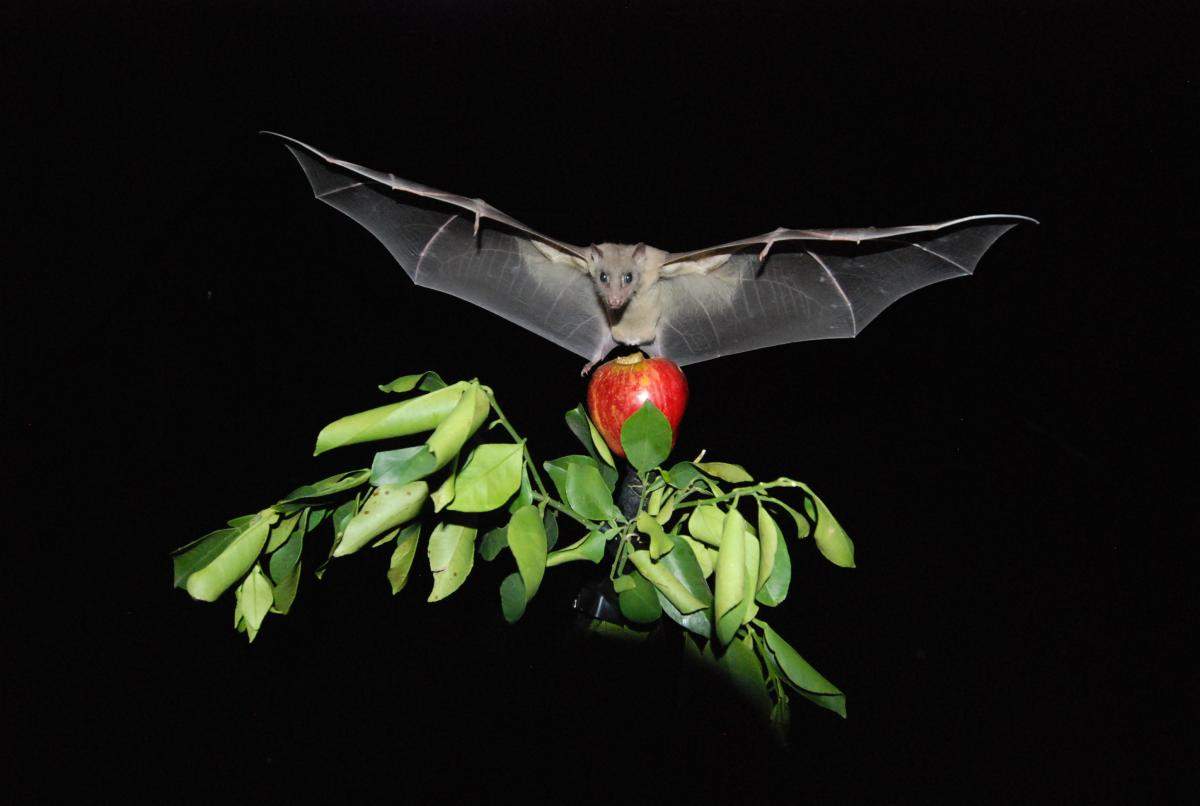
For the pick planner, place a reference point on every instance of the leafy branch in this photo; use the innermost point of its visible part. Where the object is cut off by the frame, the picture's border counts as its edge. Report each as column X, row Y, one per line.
column 692, row 526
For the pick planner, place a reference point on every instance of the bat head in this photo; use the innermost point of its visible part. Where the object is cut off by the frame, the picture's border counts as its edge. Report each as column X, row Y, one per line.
column 617, row 271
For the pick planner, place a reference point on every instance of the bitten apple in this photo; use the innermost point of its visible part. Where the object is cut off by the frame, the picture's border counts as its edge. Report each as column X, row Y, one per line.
column 620, row 387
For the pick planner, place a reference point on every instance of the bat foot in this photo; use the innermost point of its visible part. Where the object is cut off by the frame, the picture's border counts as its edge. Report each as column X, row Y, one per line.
column 587, row 368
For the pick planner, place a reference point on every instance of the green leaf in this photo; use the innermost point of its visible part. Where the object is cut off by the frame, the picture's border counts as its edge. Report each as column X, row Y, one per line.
column 282, row 530
column 335, row 484
column 735, row 474
column 730, row 571
column 769, row 538
column 451, row 557
column 444, row 494
column 682, row 593
column 195, row 555
column 387, row 507
column 428, row 381
column 209, row 582
column 587, row 494
column 550, row 524
column 590, row 547
column 749, row 608
column 802, row 676
column 802, row 524
column 682, row 564
column 683, row 475
column 341, row 519
column 284, row 593
column 698, row 622
column 527, row 542
column 646, row 437
column 402, row 556
column 706, row 524
column 639, row 604
column 412, row 416
column 831, row 539
column 775, row 591
column 524, row 495
column 454, row 431
column 667, row 509
column 241, row 521
column 557, row 470
column 585, row 431
column 494, row 540
column 402, row 465
column 315, row 517
column 512, row 598
column 702, row 554
column 623, row 583
column 659, row 544
column 254, row 600
column 491, row 476
column 286, row 557
column 739, row 663
column 601, row 446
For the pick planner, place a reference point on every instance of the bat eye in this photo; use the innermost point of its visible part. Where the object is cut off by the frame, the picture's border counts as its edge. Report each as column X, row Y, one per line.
column 604, row 277
column 628, row 278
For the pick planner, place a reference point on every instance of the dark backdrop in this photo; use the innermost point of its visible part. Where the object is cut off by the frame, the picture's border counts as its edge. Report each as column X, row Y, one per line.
column 999, row 448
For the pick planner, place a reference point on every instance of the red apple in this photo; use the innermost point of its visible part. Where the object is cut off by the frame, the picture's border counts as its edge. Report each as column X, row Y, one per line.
column 620, row 387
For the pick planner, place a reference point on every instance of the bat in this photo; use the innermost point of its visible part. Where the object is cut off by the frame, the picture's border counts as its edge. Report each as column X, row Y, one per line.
column 787, row 285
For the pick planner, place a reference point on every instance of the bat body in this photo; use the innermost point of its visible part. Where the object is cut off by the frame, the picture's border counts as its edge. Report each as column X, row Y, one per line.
column 786, row 285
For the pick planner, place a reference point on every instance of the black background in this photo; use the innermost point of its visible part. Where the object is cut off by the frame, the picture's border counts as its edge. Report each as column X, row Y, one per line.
column 1000, row 448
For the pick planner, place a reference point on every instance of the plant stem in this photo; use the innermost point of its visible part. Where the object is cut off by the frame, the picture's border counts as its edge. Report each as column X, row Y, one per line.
column 529, row 463
column 754, row 490
column 563, row 508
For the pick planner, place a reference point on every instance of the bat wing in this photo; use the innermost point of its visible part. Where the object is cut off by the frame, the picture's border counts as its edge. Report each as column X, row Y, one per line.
column 800, row 285
column 467, row 248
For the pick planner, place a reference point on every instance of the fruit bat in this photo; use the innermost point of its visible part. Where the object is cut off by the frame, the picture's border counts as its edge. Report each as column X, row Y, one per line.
column 783, row 286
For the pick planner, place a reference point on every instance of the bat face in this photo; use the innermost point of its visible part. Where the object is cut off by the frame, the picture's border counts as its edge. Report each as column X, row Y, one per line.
column 617, row 272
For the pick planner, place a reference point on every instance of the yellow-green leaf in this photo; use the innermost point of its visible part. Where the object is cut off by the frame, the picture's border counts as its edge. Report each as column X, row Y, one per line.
column 458, row 426
column 451, row 557
column 402, row 556
column 706, row 524
column 393, row 420
column 386, row 508
column 725, row 471
column 651, row 528
column 491, row 476
column 527, row 542
column 768, row 536
column 731, row 577
column 233, row 562
column 590, row 547
column 254, row 600
column 832, row 540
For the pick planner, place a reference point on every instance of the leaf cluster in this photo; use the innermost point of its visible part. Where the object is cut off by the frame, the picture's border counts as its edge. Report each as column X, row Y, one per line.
column 705, row 546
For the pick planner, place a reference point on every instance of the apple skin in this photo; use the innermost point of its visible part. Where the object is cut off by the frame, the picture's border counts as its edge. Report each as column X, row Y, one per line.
column 619, row 388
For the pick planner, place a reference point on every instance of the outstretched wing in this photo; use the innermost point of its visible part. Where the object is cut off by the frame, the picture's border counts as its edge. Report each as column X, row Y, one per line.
column 799, row 285
column 467, row 248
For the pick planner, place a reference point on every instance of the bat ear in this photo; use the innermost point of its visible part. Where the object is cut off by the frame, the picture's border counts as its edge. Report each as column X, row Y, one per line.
column 560, row 256
column 639, row 253
column 594, row 253
column 699, row 265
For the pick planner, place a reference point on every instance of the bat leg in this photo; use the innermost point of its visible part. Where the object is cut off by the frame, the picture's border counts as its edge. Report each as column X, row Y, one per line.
column 601, row 351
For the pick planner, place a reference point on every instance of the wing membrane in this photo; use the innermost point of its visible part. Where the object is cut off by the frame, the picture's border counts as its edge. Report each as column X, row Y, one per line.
column 432, row 235
column 811, row 289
